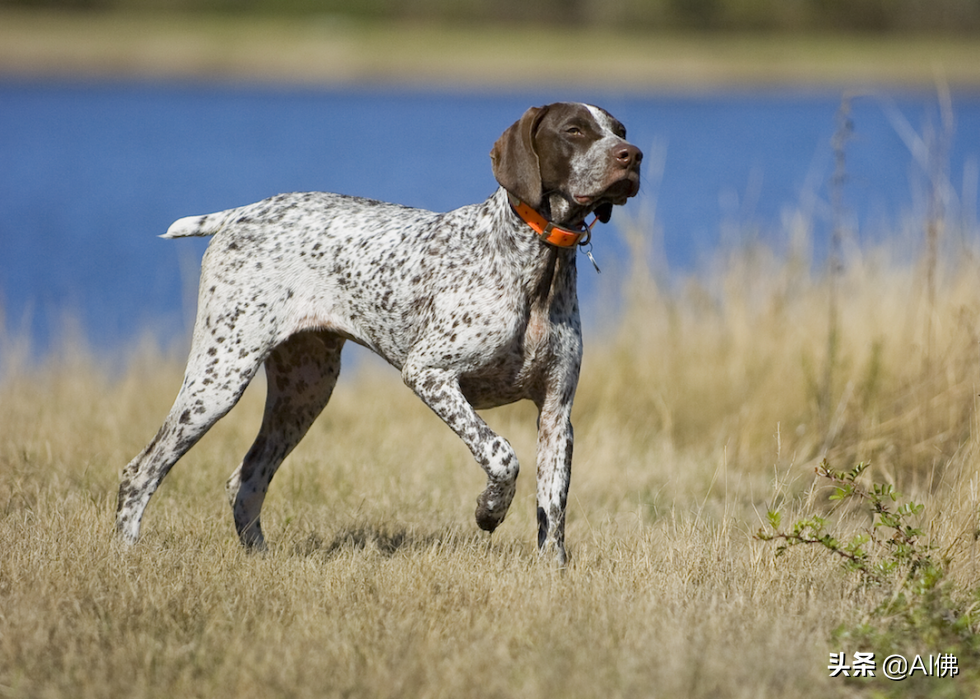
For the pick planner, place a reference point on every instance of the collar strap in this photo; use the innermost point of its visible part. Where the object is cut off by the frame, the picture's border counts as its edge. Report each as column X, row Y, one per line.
column 548, row 232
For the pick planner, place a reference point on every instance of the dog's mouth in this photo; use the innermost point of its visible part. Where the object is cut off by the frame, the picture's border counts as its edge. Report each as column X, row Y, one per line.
column 617, row 193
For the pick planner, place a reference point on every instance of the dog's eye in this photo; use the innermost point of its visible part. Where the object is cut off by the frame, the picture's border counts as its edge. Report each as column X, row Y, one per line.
column 573, row 131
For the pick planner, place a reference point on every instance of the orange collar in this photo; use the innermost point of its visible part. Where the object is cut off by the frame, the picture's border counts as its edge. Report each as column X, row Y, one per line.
column 547, row 231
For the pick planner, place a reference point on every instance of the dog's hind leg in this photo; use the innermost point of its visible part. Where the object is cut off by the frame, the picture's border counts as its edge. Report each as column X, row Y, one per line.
column 301, row 374
column 213, row 382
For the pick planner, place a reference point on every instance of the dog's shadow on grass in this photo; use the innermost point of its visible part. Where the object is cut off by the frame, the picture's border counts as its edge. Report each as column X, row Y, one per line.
column 386, row 541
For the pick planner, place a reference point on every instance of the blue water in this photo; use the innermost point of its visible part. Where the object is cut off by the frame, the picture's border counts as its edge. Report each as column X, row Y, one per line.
column 90, row 174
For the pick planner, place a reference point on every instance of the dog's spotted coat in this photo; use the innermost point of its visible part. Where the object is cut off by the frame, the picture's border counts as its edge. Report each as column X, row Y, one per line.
column 473, row 308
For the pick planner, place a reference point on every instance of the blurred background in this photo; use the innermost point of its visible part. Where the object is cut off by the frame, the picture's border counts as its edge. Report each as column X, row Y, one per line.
column 640, row 15
column 119, row 116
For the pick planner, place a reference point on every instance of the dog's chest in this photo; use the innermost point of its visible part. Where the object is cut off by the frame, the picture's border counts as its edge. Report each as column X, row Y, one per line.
column 543, row 343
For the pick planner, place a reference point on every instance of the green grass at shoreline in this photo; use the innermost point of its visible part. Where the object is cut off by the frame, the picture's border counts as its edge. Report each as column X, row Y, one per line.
column 334, row 51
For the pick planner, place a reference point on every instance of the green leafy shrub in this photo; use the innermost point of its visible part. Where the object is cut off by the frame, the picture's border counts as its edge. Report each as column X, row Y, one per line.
column 917, row 609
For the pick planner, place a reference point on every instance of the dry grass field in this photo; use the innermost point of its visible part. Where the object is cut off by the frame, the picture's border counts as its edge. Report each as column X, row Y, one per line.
column 702, row 407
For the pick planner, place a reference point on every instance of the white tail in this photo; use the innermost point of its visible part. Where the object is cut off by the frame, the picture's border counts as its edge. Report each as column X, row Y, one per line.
column 205, row 225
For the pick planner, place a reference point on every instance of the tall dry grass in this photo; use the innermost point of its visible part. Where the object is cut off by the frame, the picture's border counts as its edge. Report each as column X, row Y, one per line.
column 709, row 403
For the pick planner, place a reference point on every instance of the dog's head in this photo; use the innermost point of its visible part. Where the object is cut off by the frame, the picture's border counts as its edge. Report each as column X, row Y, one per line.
column 568, row 160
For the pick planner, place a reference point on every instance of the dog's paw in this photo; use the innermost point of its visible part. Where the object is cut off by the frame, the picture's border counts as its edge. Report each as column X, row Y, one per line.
column 492, row 505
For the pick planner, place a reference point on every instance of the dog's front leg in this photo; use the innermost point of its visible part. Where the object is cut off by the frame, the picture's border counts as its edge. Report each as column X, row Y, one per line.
column 439, row 389
column 554, row 456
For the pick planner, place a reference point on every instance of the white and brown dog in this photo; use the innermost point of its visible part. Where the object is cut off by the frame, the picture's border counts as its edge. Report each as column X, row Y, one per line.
column 477, row 307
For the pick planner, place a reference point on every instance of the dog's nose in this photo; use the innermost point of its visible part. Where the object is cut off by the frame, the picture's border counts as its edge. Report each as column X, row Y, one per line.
column 629, row 155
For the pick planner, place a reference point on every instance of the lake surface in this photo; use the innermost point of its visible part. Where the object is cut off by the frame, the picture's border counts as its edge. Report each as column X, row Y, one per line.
column 91, row 173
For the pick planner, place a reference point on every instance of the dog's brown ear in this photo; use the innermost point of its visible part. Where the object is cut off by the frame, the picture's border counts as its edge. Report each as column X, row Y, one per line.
column 515, row 158
column 604, row 212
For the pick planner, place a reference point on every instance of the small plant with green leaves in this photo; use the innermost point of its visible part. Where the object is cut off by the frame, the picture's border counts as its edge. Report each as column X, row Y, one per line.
column 892, row 536
column 919, row 609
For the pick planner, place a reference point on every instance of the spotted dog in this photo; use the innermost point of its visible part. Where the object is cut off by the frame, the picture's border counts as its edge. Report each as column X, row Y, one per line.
column 476, row 307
